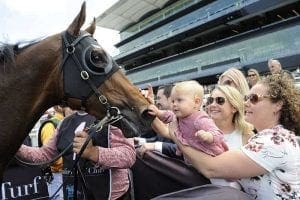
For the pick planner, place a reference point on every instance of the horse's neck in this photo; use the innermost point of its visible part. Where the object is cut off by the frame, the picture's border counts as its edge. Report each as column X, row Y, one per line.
column 24, row 95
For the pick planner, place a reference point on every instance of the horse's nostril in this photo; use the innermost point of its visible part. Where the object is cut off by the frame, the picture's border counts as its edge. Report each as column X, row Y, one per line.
column 147, row 116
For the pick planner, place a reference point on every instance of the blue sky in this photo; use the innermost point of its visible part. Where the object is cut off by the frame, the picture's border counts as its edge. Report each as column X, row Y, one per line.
column 25, row 20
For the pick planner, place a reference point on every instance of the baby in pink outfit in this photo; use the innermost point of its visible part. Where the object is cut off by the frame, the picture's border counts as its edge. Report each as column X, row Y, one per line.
column 195, row 128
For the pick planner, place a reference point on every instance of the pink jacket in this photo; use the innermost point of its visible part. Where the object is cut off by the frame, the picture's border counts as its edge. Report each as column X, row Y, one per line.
column 188, row 126
column 119, row 157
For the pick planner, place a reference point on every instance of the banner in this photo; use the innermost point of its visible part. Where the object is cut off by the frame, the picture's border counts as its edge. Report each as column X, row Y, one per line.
column 23, row 183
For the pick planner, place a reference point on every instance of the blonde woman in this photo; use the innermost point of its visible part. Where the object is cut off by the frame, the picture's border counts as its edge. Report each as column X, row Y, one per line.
column 226, row 107
column 252, row 77
column 234, row 78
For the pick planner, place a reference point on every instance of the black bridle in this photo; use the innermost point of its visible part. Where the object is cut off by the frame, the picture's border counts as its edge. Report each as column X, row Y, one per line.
column 81, row 82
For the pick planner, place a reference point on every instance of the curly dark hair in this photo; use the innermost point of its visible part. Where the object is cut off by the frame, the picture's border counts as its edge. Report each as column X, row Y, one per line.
column 282, row 88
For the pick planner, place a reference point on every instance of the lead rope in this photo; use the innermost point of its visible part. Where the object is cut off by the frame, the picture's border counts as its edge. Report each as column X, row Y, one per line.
column 108, row 119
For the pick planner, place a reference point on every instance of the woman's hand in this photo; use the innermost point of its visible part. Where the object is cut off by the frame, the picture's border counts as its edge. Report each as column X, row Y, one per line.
column 90, row 152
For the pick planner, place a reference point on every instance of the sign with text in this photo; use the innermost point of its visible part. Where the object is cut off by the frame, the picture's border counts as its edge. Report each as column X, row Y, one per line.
column 23, row 183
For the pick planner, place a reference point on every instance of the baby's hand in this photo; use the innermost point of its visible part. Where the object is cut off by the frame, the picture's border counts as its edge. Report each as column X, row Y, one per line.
column 205, row 136
column 154, row 111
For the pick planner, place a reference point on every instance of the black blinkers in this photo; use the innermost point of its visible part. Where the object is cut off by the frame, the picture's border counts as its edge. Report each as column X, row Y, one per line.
column 90, row 64
column 93, row 66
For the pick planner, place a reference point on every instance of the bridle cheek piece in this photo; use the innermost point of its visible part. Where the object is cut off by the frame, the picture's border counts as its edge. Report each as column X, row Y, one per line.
column 82, row 82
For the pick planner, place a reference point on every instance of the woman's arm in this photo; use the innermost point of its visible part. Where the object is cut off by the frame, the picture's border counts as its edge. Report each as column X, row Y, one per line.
column 233, row 164
column 39, row 154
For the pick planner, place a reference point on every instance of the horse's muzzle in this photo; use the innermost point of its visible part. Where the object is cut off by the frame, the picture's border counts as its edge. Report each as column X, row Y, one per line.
column 128, row 128
column 147, row 117
column 131, row 129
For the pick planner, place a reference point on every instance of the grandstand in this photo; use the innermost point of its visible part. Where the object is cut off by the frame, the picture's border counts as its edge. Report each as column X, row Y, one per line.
column 165, row 41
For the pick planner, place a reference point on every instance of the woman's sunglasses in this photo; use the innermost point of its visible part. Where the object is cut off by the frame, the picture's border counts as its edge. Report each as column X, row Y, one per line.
column 254, row 98
column 251, row 75
column 227, row 82
column 219, row 100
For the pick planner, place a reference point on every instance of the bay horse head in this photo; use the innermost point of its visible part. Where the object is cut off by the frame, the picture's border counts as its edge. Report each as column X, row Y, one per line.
column 92, row 80
column 69, row 67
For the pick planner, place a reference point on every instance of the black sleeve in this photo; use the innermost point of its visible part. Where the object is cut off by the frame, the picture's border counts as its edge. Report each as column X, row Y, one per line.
column 169, row 149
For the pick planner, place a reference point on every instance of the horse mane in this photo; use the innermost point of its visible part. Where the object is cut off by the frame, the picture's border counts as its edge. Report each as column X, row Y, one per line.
column 9, row 51
column 7, row 54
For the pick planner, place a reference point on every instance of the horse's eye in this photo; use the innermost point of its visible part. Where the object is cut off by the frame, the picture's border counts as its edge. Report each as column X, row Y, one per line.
column 98, row 57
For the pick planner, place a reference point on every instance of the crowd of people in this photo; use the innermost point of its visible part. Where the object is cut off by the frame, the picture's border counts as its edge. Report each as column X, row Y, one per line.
column 244, row 138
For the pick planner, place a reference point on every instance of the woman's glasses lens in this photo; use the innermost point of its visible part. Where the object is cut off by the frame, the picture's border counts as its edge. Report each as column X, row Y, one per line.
column 252, row 97
column 227, row 82
column 219, row 100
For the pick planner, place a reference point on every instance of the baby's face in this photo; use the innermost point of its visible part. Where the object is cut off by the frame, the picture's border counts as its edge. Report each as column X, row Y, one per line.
column 184, row 103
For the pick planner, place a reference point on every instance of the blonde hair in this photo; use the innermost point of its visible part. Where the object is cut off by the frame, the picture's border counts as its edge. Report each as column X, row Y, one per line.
column 255, row 72
column 192, row 87
column 238, row 79
column 235, row 98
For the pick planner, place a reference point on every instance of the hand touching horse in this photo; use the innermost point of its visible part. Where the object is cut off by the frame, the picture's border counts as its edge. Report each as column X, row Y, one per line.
column 70, row 67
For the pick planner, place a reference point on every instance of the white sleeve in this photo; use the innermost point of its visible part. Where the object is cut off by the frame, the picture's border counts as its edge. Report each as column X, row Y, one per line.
column 158, row 146
column 267, row 151
column 141, row 141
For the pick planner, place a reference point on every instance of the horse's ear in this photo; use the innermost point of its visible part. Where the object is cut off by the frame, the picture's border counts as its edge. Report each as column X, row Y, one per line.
column 91, row 29
column 74, row 28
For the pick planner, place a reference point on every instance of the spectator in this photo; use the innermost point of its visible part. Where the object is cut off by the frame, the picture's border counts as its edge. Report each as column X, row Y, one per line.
column 226, row 107
column 267, row 166
column 253, row 77
column 112, row 154
column 163, row 100
column 234, row 78
column 276, row 68
column 159, row 143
